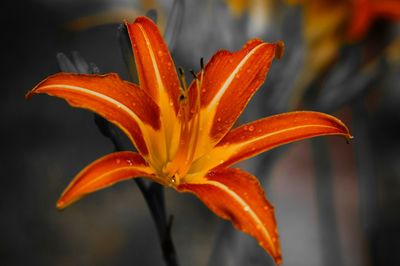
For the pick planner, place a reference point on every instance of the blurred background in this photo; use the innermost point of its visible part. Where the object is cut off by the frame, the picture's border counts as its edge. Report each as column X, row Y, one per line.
column 336, row 203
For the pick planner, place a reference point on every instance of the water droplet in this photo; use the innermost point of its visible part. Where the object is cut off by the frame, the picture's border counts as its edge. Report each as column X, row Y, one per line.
column 251, row 128
column 160, row 53
column 169, row 64
column 246, row 208
column 172, row 180
column 219, row 119
column 258, row 226
column 203, row 90
column 118, row 161
column 129, row 162
column 221, row 161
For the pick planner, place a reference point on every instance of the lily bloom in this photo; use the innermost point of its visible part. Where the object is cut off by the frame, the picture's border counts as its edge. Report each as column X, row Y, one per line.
column 183, row 134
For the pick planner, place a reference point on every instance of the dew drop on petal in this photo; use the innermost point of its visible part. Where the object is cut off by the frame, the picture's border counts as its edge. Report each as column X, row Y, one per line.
column 246, row 208
column 171, row 180
column 251, row 128
column 129, row 162
column 118, row 161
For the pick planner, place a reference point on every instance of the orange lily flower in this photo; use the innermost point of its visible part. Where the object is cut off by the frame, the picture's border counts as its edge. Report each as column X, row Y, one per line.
column 183, row 134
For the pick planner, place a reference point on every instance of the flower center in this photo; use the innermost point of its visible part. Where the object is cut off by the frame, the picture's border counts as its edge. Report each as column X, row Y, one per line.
column 189, row 116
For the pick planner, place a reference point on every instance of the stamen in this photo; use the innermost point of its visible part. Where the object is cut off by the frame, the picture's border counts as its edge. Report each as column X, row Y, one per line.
column 183, row 79
column 190, row 126
column 193, row 74
column 202, row 63
column 184, row 88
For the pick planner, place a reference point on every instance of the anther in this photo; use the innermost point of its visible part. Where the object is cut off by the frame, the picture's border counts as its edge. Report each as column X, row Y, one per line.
column 183, row 80
column 181, row 71
column 193, row 74
column 202, row 63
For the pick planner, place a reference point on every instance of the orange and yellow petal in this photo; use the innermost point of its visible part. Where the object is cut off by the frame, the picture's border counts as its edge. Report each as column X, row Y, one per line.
column 104, row 172
column 259, row 136
column 237, row 196
column 230, row 77
column 120, row 102
column 158, row 77
column 156, row 69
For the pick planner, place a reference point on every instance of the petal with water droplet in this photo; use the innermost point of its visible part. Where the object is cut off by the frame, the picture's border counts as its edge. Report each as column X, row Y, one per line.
column 104, row 172
column 106, row 96
column 259, row 136
column 230, row 80
column 237, row 196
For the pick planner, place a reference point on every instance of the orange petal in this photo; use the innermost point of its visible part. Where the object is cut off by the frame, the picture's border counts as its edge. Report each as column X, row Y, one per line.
column 230, row 77
column 237, row 196
column 120, row 102
column 156, row 70
column 104, row 172
column 264, row 134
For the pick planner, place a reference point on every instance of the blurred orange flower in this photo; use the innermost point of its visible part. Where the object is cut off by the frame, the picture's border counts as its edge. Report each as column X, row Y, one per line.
column 183, row 134
column 365, row 12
